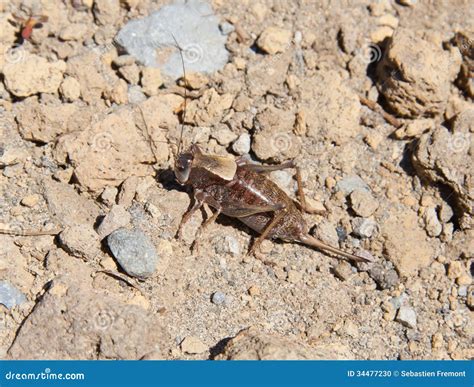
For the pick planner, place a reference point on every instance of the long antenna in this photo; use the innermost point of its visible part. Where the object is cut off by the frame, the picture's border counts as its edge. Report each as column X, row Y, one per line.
column 185, row 92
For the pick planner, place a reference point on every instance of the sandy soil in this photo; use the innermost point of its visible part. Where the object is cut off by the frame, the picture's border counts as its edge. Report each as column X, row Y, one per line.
column 86, row 136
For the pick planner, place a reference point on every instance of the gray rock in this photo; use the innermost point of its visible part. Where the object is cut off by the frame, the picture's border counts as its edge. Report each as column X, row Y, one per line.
column 136, row 95
column 10, row 296
column 218, row 298
column 406, row 316
column 364, row 227
column 399, row 301
column 385, row 278
column 196, row 30
column 242, row 144
column 227, row 28
column 227, row 245
column 134, row 252
column 351, row 183
column 462, row 291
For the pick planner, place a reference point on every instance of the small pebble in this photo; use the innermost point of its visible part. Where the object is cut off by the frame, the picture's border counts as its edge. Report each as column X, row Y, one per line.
column 108, row 195
column 470, row 297
column 130, row 73
column 445, row 212
column 432, row 224
column 70, row 88
column 462, row 291
column 274, row 40
column 464, row 279
column 192, row 345
column 226, row 28
column 151, row 80
column 227, row 245
column 283, row 178
column 242, row 145
column 406, row 316
column 134, row 252
column 399, row 301
column 343, row 271
column 437, row 340
column 81, row 241
column 350, row 183
column 364, row 227
column 30, row 200
column 117, row 217
column 224, row 135
column 363, row 203
column 127, row 191
column 455, row 269
column 384, row 278
column 10, row 296
column 135, row 95
column 294, row 276
column 254, row 290
column 218, row 298
column 330, row 182
column 124, row 60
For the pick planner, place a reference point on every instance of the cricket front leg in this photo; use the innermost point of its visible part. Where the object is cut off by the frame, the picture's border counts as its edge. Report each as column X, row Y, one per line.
column 200, row 198
column 198, row 203
column 199, row 233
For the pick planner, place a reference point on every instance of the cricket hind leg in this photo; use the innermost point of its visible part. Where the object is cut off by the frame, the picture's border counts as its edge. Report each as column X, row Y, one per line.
column 276, row 218
column 187, row 215
column 313, row 242
column 301, row 203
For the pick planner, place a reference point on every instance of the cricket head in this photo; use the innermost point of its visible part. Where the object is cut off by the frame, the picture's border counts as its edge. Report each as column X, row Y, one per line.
column 184, row 164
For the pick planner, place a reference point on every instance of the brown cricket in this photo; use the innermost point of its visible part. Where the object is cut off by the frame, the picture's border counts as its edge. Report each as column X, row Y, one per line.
column 239, row 189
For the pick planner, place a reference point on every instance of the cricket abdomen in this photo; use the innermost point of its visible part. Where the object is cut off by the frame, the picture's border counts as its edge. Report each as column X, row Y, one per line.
column 249, row 188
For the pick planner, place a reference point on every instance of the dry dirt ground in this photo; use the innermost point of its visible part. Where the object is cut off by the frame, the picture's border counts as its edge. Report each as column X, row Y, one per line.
column 74, row 148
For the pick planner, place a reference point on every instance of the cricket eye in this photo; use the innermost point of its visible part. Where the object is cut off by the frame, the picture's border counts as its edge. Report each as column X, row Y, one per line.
column 183, row 169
